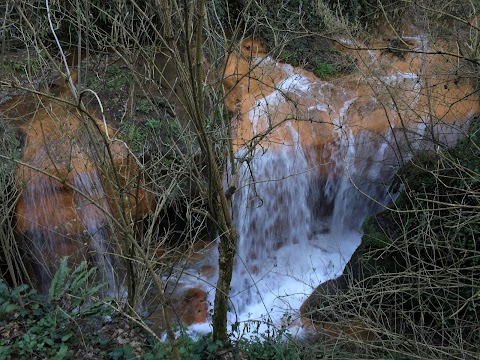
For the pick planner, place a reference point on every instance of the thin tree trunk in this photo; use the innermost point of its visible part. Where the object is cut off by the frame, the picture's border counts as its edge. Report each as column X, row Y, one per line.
column 218, row 202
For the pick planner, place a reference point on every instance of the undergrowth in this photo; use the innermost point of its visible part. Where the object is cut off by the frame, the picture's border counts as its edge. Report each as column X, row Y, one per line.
column 419, row 263
column 72, row 322
column 33, row 326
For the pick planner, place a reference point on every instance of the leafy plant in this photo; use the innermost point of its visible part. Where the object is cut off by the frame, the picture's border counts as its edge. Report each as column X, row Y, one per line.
column 153, row 124
column 33, row 327
column 166, row 127
column 288, row 57
column 113, row 79
column 323, row 70
column 134, row 135
column 122, row 352
column 116, row 77
column 21, row 65
column 203, row 348
column 144, row 105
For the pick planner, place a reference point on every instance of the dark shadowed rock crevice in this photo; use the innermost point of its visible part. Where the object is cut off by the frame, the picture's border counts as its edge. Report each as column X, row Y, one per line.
column 416, row 271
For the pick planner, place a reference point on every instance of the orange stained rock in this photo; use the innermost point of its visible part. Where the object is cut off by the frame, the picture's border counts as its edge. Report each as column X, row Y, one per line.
column 278, row 105
column 208, row 271
column 69, row 184
column 60, row 144
column 192, row 307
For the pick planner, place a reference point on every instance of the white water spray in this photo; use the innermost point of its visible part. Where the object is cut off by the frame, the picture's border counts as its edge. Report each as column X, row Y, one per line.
column 286, row 248
column 92, row 208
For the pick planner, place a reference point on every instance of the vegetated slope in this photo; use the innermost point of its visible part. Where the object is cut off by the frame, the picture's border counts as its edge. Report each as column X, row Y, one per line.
column 413, row 284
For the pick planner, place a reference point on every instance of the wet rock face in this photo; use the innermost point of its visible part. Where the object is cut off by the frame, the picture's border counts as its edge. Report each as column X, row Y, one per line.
column 72, row 180
column 320, row 320
column 365, row 124
column 319, row 299
column 192, row 307
column 418, row 95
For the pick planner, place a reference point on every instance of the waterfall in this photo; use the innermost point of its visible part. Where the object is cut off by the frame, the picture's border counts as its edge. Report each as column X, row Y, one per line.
column 299, row 207
column 287, row 247
column 93, row 210
column 64, row 219
column 43, row 199
column 304, row 190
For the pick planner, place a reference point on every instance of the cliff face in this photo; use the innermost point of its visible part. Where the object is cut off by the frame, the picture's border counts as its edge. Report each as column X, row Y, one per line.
column 72, row 178
column 415, row 93
column 396, row 105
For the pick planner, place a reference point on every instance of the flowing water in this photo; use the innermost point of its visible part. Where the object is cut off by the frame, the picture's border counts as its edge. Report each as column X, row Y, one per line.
column 93, row 211
column 298, row 213
column 66, row 220
column 42, row 197
column 298, row 230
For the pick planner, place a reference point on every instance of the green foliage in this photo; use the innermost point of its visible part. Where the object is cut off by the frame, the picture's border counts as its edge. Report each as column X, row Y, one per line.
column 269, row 344
column 140, row 136
column 122, row 352
column 134, row 135
column 76, row 286
column 323, row 70
column 273, row 344
column 427, row 254
column 115, row 78
column 290, row 30
column 203, row 348
column 357, row 11
column 21, row 65
column 153, row 124
column 144, row 105
column 265, row 347
column 290, row 57
column 168, row 129
column 13, row 66
column 48, row 329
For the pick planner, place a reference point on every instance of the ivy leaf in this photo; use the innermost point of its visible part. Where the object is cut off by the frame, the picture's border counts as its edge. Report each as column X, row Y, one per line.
column 62, row 353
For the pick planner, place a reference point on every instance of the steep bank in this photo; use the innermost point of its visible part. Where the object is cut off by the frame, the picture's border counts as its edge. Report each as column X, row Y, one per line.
column 322, row 155
column 415, row 275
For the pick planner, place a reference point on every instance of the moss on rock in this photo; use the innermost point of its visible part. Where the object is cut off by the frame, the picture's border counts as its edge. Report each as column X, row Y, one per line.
column 416, row 274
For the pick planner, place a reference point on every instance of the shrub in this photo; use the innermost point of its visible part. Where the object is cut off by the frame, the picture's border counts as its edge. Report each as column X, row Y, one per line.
column 144, row 105
column 323, row 70
column 33, row 326
column 415, row 278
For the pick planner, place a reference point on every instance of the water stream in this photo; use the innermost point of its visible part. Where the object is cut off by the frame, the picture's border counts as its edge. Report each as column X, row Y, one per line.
column 65, row 219
column 298, row 213
column 288, row 243
column 93, row 211
column 297, row 228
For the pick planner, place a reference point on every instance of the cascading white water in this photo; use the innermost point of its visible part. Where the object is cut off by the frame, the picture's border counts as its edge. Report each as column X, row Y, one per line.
column 93, row 210
column 54, row 231
column 271, row 213
column 283, row 252
column 298, row 226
